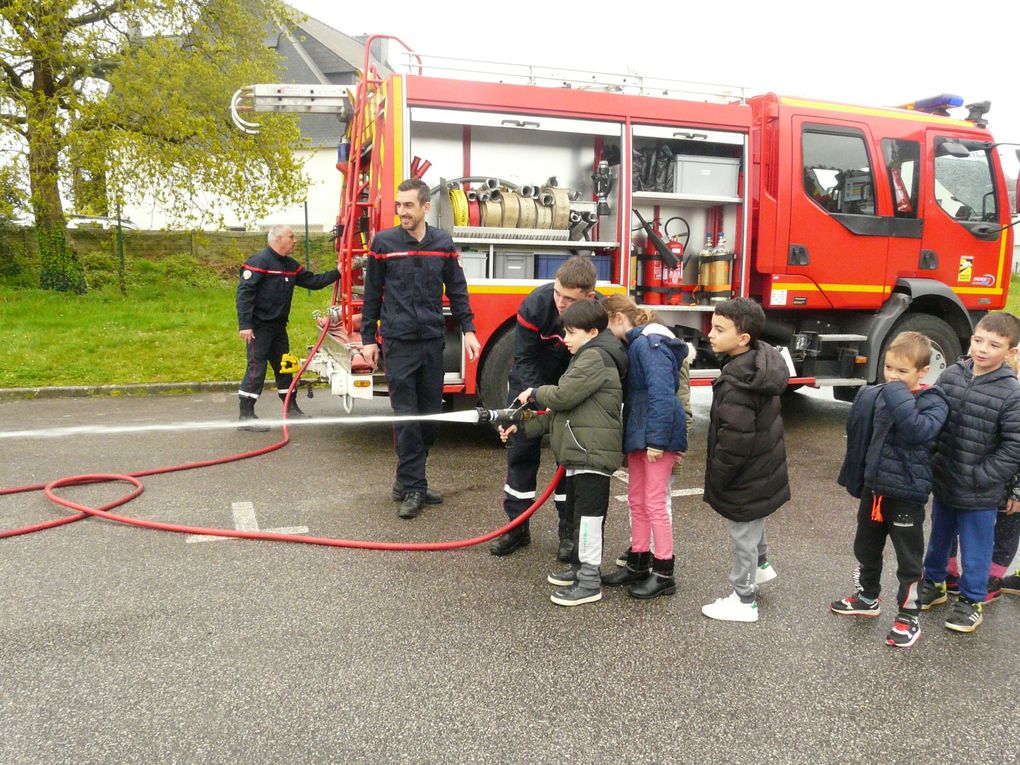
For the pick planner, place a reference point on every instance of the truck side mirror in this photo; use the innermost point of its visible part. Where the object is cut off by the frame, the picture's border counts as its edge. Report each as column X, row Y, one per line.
column 951, row 149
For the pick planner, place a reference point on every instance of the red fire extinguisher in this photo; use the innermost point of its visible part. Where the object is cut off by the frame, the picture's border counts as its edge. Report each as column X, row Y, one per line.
column 673, row 278
column 651, row 274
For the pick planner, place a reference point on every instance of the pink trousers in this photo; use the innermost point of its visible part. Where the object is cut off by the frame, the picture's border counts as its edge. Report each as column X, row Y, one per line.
column 648, row 496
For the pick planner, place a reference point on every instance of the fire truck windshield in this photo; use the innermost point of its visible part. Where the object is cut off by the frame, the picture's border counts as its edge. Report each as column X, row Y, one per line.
column 964, row 185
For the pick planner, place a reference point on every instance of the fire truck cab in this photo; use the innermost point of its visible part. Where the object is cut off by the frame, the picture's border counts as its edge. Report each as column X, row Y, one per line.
column 848, row 224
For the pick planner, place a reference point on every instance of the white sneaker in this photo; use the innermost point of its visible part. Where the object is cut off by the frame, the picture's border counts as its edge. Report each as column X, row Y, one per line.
column 764, row 573
column 730, row 609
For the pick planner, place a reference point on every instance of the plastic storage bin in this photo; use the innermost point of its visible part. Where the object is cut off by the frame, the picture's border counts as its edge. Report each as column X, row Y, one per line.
column 474, row 264
column 547, row 263
column 706, row 176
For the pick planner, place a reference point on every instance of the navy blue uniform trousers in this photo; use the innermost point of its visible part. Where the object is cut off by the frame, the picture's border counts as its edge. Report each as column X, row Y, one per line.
column 414, row 374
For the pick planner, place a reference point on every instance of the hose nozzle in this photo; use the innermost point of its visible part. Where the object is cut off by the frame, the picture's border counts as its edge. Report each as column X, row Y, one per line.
column 504, row 416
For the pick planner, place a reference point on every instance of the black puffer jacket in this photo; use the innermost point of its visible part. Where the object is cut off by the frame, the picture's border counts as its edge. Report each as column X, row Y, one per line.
column 746, row 476
column 979, row 449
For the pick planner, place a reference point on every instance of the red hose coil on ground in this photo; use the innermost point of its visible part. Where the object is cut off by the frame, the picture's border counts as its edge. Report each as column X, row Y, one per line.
column 84, row 511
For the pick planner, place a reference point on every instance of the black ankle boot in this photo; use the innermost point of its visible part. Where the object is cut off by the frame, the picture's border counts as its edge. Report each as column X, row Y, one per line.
column 293, row 411
column 660, row 582
column 249, row 421
column 639, row 567
column 505, row 544
column 565, row 551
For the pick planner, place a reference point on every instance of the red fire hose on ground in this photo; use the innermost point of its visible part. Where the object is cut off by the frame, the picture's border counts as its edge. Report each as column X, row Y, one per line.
column 104, row 511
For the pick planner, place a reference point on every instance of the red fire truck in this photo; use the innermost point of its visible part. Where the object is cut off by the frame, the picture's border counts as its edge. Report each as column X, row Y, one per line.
column 848, row 224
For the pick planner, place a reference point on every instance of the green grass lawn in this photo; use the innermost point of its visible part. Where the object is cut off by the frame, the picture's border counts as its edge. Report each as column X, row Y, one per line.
column 158, row 333
column 155, row 334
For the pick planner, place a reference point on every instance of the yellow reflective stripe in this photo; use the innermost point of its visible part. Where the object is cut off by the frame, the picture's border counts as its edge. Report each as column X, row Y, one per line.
column 977, row 291
column 796, row 287
column 876, row 112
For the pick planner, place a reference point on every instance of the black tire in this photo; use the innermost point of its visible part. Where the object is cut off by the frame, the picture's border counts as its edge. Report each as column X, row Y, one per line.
column 494, row 376
column 946, row 347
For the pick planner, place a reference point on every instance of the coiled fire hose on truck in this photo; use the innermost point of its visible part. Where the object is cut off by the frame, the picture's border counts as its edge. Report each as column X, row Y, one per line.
column 104, row 511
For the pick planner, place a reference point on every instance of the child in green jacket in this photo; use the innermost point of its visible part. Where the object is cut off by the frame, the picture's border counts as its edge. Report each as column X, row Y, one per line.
column 585, row 421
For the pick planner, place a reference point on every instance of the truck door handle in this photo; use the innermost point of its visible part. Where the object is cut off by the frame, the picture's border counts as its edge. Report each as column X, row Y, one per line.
column 798, row 255
column 929, row 261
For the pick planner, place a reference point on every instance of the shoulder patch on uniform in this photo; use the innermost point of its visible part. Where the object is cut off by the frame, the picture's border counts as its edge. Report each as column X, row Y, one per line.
column 246, row 274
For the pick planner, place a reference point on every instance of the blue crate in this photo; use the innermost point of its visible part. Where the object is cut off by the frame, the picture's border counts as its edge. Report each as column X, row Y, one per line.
column 546, row 265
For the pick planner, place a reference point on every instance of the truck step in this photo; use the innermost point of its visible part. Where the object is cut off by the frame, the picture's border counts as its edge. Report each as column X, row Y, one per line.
column 830, row 382
column 842, row 338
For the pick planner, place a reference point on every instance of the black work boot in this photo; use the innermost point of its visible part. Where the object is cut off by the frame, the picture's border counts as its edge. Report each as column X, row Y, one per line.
column 293, row 411
column 431, row 497
column 512, row 540
column 249, row 421
column 661, row 581
column 638, row 568
column 413, row 504
column 565, row 551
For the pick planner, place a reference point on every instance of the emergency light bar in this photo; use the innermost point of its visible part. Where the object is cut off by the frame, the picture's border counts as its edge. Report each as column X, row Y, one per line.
column 939, row 105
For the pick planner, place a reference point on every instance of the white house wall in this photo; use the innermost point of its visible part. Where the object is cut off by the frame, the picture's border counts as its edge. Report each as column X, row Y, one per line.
column 323, row 199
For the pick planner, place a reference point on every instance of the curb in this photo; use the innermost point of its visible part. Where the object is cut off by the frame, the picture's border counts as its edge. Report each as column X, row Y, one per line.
column 141, row 389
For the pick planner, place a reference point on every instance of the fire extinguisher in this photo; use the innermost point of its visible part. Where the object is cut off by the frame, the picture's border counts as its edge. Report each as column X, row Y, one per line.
column 673, row 278
column 651, row 277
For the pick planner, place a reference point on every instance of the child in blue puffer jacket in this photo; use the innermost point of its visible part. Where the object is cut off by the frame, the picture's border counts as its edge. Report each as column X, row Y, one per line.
column 654, row 439
column 891, row 434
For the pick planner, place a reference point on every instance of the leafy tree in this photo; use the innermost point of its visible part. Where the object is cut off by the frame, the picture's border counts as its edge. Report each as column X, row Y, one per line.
column 114, row 100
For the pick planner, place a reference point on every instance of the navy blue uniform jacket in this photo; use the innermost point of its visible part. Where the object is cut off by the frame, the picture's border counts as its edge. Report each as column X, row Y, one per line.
column 267, row 285
column 404, row 283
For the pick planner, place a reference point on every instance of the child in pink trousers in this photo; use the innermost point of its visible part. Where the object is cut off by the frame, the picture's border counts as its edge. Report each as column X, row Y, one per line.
column 654, row 439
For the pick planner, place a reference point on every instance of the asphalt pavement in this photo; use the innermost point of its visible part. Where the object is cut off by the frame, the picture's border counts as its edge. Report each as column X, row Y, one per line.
column 123, row 645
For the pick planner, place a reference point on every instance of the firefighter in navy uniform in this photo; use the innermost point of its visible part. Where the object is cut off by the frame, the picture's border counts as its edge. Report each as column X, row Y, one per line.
column 268, row 279
column 408, row 267
column 540, row 358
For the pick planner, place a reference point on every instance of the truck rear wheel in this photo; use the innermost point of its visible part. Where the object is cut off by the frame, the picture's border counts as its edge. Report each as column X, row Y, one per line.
column 494, row 377
column 945, row 345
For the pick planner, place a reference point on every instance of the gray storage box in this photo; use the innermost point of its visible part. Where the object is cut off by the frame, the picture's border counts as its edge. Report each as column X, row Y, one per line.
column 514, row 265
column 706, row 176
column 474, row 264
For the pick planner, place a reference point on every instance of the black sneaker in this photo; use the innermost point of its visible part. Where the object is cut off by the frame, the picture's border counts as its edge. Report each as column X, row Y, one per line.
column 931, row 594
column 413, row 504
column 563, row 578
column 1011, row 583
column 576, row 595
column 994, row 591
column 852, row 605
column 953, row 584
column 905, row 631
column 965, row 616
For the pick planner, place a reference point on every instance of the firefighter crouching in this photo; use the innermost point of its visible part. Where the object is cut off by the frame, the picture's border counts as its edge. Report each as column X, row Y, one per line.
column 408, row 266
column 264, row 295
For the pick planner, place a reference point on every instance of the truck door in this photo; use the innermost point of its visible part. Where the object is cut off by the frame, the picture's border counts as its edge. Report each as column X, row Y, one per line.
column 837, row 239
column 961, row 219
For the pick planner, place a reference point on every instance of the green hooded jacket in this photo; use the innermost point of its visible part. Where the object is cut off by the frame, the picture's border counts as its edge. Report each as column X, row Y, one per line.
column 585, row 408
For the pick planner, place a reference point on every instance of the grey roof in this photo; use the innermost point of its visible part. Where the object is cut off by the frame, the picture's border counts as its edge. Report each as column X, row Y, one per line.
column 315, row 53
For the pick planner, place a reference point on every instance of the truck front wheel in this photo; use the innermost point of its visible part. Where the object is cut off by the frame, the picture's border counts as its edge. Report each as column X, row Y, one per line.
column 945, row 345
column 494, row 377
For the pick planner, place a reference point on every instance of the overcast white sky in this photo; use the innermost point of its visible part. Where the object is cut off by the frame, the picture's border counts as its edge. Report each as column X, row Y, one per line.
column 867, row 52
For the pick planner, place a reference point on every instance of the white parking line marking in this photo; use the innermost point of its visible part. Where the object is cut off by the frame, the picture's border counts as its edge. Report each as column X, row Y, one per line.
column 245, row 520
column 674, row 493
